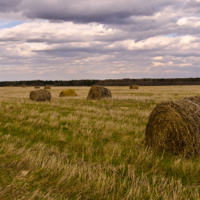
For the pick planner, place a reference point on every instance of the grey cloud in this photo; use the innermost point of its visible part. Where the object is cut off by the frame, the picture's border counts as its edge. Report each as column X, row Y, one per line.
column 90, row 11
column 86, row 11
column 9, row 5
column 136, row 18
column 192, row 7
column 11, row 39
column 92, row 58
column 54, row 40
column 192, row 3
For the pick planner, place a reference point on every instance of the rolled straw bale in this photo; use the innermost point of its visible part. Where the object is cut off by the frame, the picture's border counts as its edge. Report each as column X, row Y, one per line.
column 47, row 87
column 23, row 86
column 11, row 85
column 134, row 87
column 37, row 87
column 69, row 92
column 40, row 95
column 175, row 126
column 99, row 92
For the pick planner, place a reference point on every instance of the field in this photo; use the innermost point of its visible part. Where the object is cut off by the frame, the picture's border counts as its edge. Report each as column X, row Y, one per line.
column 73, row 148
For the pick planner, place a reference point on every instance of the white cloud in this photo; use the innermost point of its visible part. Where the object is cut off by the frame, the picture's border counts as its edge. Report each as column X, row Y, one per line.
column 187, row 39
column 158, row 58
column 109, row 39
column 189, row 22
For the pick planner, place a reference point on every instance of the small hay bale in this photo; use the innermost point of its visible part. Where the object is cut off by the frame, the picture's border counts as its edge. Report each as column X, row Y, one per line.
column 37, row 87
column 174, row 126
column 47, row 87
column 99, row 92
column 68, row 92
column 24, row 86
column 40, row 95
column 134, row 87
column 11, row 85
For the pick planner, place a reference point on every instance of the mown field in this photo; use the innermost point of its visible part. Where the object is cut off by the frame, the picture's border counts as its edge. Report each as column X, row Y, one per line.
column 73, row 148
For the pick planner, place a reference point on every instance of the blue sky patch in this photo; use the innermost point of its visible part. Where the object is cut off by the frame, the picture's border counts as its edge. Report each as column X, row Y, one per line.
column 171, row 35
column 9, row 24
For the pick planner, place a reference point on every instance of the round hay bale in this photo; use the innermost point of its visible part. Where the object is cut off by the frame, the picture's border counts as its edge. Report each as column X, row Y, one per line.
column 47, row 87
column 11, row 85
column 24, row 86
column 68, row 92
column 99, row 92
column 40, row 95
column 37, row 87
column 134, row 87
column 174, row 126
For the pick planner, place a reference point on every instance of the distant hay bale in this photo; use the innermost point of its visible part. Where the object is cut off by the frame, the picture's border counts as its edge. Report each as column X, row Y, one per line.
column 68, row 92
column 23, row 86
column 134, row 87
column 174, row 126
column 37, row 87
column 47, row 87
column 11, row 85
column 40, row 95
column 98, row 92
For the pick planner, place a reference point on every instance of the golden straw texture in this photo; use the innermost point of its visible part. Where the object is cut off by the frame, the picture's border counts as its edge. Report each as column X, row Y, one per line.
column 134, row 87
column 40, row 95
column 175, row 126
column 98, row 92
column 47, row 87
column 69, row 92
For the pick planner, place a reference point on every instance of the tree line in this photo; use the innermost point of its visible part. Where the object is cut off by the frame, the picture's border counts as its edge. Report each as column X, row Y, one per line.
column 108, row 82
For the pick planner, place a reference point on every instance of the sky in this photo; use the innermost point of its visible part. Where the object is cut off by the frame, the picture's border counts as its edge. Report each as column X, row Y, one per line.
column 91, row 39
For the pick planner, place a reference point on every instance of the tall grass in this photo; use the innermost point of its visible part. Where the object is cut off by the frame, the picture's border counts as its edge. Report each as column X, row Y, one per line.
column 73, row 148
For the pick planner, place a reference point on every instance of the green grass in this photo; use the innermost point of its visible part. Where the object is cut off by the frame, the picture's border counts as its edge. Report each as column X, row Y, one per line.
column 72, row 148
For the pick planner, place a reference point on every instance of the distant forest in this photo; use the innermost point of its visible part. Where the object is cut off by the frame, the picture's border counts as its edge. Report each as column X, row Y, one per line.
column 108, row 82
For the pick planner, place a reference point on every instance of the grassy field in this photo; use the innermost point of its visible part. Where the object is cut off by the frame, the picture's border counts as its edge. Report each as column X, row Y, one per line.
column 73, row 148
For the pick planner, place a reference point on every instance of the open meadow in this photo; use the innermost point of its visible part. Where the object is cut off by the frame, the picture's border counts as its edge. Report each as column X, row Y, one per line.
column 73, row 148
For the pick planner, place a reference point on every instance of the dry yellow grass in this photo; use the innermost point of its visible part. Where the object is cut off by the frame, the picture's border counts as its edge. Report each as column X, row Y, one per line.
column 82, row 149
column 154, row 93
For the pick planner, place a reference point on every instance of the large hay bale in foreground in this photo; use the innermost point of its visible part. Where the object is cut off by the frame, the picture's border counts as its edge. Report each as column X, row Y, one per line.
column 40, row 95
column 47, row 87
column 23, row 86
column 134, row 87
column 98, row 92
column 69, row 92
column 175, row 126
column 37, row 87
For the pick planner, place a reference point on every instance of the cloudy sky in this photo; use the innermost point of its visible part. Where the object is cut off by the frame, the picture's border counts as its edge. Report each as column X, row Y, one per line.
column 91, row 39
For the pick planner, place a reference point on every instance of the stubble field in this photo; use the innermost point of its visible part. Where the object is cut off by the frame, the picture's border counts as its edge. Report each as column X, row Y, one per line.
column 73, row 148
